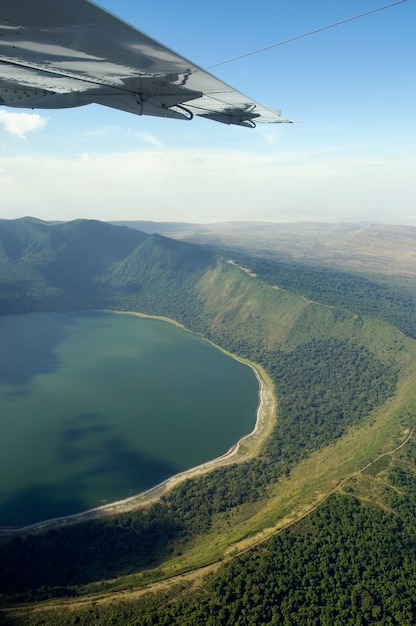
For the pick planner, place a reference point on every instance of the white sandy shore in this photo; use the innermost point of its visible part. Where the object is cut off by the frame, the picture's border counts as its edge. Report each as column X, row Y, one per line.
column 244, row 449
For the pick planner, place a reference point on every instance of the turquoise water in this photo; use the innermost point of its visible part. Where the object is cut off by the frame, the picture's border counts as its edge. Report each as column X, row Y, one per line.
column 95, row 407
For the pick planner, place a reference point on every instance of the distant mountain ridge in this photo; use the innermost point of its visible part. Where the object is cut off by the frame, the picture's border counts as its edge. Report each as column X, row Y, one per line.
column 85, row 263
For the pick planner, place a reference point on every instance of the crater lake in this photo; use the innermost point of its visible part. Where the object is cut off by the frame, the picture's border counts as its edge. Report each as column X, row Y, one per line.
column 96, row 407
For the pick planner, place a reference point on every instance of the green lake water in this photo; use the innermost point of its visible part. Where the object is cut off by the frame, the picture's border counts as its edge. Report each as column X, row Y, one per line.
column 96, row 407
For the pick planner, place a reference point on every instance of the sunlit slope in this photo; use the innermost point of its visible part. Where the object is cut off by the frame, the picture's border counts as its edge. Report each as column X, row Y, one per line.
column 260, row 318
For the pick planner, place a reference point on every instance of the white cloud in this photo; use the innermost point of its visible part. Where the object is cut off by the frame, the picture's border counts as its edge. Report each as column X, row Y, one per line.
column 20, row 124
column 202, row 186
column 149, row 138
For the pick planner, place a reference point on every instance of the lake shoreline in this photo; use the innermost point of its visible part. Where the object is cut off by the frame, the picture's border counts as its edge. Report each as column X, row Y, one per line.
column 246, row 448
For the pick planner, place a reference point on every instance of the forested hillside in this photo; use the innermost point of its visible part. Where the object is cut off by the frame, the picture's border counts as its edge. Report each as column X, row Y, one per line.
column 344, row 382
column 89, row 264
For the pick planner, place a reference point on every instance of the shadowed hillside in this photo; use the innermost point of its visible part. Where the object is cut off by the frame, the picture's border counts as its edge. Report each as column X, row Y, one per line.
column 89, row 264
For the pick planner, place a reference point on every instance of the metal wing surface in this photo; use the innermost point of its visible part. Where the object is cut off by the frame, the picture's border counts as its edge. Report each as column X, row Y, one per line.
column 57, row 54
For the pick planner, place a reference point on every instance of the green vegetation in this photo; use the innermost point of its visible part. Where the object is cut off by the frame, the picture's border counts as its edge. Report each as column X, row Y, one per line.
column 348, row 562
column 345, row 390
column 325, row 386
column 351, row 291
column 345, row 564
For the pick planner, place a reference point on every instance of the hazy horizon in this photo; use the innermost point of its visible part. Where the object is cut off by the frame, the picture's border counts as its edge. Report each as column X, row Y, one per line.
column 349, row 155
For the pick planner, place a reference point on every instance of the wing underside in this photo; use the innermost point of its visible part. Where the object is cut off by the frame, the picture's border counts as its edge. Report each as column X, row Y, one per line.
column 80, row 54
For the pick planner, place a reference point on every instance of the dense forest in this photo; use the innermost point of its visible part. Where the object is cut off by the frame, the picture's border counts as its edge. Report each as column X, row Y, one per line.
column 346, row 563
column 331, row 366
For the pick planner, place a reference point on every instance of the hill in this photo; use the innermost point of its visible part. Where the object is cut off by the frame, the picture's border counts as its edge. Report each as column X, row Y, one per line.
column 82, row 264
column 345, row 387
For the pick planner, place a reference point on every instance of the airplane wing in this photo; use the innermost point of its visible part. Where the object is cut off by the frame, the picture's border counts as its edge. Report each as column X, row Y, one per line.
column 57, row 54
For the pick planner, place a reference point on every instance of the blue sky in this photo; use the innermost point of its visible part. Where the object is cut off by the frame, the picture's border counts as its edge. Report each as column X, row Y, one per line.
column 350, row 155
